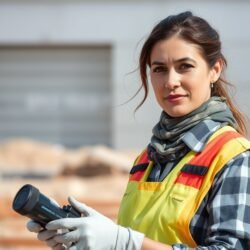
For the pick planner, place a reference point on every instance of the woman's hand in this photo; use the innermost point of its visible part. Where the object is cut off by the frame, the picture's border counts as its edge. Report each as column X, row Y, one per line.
column 45, row 235
column 93, row 231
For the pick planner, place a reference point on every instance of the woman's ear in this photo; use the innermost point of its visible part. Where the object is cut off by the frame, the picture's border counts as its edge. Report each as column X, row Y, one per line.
column 216, row 70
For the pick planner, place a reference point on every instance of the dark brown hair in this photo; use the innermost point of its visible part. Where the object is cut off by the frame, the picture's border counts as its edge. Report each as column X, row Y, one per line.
column 197, row 31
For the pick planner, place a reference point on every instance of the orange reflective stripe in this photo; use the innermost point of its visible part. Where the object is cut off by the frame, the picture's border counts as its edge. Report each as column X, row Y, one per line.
column 205, row 158
column 143, row 158
column 191, row 180
column 137, row 176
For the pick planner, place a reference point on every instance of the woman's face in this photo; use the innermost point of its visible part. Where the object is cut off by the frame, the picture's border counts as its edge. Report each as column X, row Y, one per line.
column 180, row 76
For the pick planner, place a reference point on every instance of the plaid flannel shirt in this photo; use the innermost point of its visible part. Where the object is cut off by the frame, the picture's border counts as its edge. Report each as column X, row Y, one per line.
column 222, row 221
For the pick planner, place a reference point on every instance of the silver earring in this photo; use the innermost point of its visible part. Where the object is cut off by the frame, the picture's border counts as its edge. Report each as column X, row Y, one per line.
column 212, row 85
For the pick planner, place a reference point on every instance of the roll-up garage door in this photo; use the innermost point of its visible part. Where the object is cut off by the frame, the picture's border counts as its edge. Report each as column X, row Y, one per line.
column 58, row 95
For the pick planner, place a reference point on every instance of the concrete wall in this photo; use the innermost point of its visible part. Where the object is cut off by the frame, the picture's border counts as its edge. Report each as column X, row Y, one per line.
column 123, row 24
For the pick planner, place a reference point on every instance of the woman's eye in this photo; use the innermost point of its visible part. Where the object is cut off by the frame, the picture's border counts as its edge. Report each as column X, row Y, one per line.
column 185, row 66
column 159, row 69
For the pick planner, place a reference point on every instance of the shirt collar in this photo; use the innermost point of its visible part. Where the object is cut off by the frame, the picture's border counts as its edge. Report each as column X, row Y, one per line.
column 197, row 138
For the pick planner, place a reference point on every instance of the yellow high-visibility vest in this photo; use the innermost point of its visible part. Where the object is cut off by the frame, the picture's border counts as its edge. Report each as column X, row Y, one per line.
column 163, row 210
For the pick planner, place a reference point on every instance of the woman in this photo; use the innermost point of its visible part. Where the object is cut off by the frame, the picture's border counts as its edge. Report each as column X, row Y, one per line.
column 189, row 189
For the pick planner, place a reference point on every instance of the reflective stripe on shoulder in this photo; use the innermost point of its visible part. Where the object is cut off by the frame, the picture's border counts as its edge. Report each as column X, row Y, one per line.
column 140, row 166
column 193, row 173
column 142, row 158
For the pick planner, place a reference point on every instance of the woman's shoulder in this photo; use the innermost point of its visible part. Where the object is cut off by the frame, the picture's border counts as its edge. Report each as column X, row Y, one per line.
column 237, row 168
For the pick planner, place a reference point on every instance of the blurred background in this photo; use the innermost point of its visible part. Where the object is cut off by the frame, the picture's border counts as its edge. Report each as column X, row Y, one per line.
column 67, row 72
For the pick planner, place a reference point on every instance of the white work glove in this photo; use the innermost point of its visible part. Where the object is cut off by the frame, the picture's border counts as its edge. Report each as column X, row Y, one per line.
column 94, row 231
column 45, row 235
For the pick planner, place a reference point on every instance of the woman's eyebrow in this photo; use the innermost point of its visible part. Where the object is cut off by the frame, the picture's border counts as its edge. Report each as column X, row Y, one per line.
column 184, row 59
column 158, row 63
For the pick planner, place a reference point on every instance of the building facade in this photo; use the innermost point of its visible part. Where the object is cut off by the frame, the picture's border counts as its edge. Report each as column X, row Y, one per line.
column 68, row 68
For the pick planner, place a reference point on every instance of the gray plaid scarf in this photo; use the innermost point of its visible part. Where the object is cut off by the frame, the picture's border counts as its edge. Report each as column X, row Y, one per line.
column 166, row 143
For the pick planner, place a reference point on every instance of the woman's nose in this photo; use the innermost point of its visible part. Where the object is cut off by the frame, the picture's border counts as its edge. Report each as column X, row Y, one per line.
column 172, row 79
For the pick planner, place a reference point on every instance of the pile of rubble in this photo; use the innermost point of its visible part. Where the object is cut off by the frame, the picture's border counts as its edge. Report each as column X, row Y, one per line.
column 94, row 175
column 22, row 155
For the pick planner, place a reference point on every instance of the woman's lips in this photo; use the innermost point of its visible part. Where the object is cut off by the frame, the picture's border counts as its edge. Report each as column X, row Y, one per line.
column 175, row 98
